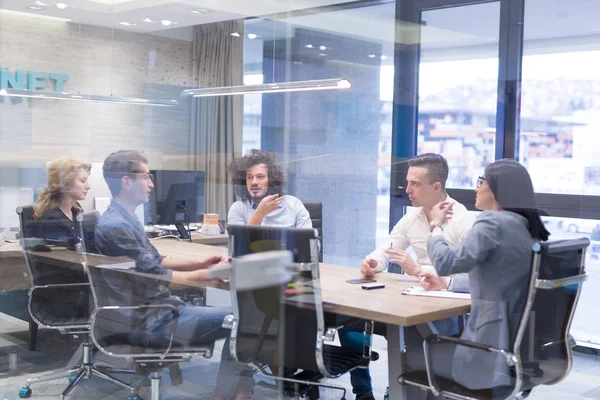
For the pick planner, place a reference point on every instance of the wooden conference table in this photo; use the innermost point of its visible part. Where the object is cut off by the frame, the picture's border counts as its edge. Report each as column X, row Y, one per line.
column 386, row 305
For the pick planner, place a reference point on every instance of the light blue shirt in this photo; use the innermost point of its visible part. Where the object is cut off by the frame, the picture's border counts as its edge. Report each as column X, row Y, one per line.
column 291, row 213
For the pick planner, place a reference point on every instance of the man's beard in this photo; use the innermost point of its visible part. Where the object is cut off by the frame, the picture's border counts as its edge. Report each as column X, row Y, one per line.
column 257, row 198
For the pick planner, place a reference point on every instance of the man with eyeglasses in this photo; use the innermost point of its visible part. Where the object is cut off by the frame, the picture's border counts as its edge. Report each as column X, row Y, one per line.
column 426, row 187
column 120, row 233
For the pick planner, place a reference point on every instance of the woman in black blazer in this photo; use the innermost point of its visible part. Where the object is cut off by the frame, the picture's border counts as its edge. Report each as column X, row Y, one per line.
column 55, row 222
column 58, row 203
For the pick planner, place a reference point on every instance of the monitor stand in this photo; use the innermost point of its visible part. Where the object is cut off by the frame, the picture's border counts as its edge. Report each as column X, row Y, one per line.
column 182, row 231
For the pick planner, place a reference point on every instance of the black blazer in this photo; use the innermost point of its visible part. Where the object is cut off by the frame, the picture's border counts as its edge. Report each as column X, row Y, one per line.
column 56, row 228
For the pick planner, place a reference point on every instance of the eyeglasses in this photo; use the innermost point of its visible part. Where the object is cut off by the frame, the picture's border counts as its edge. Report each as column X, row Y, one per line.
column 480, row 181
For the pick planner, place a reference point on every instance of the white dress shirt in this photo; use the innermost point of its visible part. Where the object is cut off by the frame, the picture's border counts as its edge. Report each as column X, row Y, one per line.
column 413, row 230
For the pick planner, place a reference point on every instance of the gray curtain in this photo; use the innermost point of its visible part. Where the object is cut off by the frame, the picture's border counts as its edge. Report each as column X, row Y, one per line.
column 217, row 121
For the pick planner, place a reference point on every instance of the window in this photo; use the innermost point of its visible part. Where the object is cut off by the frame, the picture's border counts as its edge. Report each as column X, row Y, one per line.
column 458, row 84
column 334, row 146
column 559, row 125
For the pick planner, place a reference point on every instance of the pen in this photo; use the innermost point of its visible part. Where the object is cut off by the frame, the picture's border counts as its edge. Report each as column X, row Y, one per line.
column 390, row 265
column 422, row 280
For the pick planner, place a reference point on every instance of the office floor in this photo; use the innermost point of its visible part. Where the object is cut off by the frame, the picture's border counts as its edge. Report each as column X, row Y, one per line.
column 54, row 350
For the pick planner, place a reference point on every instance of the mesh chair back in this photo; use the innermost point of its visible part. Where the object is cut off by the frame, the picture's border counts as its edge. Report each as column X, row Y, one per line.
column 546, row 343
column 315, row 210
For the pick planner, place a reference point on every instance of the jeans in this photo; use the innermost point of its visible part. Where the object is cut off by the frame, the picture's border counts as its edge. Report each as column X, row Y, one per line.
column 352, row 336
column 197, row 324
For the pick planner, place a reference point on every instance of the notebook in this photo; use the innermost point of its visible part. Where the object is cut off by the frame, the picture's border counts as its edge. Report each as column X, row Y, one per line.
column 419, row 291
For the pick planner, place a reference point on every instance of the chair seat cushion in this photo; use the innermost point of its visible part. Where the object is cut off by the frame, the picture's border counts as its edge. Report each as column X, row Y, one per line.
column 58, row 316
column 339, row 360
column 420, row 377
column 120, row 343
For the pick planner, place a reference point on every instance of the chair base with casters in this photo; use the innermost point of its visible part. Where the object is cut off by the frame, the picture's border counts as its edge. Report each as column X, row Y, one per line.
column 152, row 361
column 86, row 370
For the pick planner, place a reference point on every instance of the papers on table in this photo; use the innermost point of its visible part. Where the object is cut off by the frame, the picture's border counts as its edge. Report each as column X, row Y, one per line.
column 419, row 291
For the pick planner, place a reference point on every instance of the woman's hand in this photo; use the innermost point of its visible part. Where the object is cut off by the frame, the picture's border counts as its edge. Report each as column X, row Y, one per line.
column 441, row 212
column 432, row 282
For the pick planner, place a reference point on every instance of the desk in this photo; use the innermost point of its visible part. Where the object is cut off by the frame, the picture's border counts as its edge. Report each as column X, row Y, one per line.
column 387, row 305
column 214, row 240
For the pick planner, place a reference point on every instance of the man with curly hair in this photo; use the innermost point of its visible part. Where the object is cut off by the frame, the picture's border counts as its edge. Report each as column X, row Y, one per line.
column 258, row 182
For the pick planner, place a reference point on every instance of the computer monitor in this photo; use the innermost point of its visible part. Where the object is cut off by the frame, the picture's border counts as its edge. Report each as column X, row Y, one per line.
column 247, row 239
column 175, row 194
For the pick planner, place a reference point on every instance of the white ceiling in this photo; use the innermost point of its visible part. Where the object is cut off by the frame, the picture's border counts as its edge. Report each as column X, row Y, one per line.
column 109, row 13
column 446, row 29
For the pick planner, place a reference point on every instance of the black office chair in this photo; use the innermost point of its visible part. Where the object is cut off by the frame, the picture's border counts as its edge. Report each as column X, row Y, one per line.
column 59, row 300
column 26, row 230
column 541, row 353
column 122, row 309
column 315, row 210
column 278, row 326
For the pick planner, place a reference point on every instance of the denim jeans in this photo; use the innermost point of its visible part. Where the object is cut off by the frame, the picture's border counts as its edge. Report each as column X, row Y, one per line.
column 352, row 336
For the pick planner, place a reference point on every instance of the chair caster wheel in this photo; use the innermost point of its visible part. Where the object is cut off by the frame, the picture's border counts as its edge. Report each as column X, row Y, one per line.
column 134, row 397
column 25, row 392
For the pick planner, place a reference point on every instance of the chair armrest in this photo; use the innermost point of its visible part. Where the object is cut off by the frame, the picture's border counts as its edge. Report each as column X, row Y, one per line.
column 511, row 359
column 57, row 285
column 228, row 322
column 216, row 272
column 170, row 307
column 329, row 335
column 556, row 283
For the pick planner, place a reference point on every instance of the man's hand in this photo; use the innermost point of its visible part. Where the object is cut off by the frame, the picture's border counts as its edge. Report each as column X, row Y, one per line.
column 432, row 282
column 210, row 261
column 404, row 260
column 441, row 212
column 268, row 205
column 368, row 268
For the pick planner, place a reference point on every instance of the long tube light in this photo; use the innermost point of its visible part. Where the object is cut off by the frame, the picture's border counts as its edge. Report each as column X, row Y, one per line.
column 45, row 94
column 297, row 86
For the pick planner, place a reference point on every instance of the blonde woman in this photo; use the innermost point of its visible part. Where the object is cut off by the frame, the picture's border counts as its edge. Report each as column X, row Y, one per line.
column 58, row 204
column 55, row 222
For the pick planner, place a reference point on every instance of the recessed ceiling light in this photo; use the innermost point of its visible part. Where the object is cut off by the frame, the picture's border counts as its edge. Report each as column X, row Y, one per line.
column 383, row 58
column 125, row 23
column 321, row 47
column 166, row 22
column 148, row 20
column 371, row 55
column 252, row 36
column 323, row 54
column 41, row 3
column 35, row 8
column 309, row 46
column 235, row 34
column 199, row 11
column 61, row 6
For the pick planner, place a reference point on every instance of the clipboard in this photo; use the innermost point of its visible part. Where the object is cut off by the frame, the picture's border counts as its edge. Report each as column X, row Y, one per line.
column 419, row 291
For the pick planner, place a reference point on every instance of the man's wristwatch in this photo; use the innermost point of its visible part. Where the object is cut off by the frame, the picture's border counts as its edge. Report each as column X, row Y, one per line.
column 435, row 224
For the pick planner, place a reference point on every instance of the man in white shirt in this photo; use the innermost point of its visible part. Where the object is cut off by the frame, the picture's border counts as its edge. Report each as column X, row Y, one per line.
column 426, row 187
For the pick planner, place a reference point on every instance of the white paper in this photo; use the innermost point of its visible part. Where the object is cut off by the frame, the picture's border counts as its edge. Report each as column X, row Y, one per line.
column 419, row 291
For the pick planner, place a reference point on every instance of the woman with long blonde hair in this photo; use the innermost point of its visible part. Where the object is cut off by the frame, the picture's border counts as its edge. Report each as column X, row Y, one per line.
column 55, row 222
column 58, row 203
